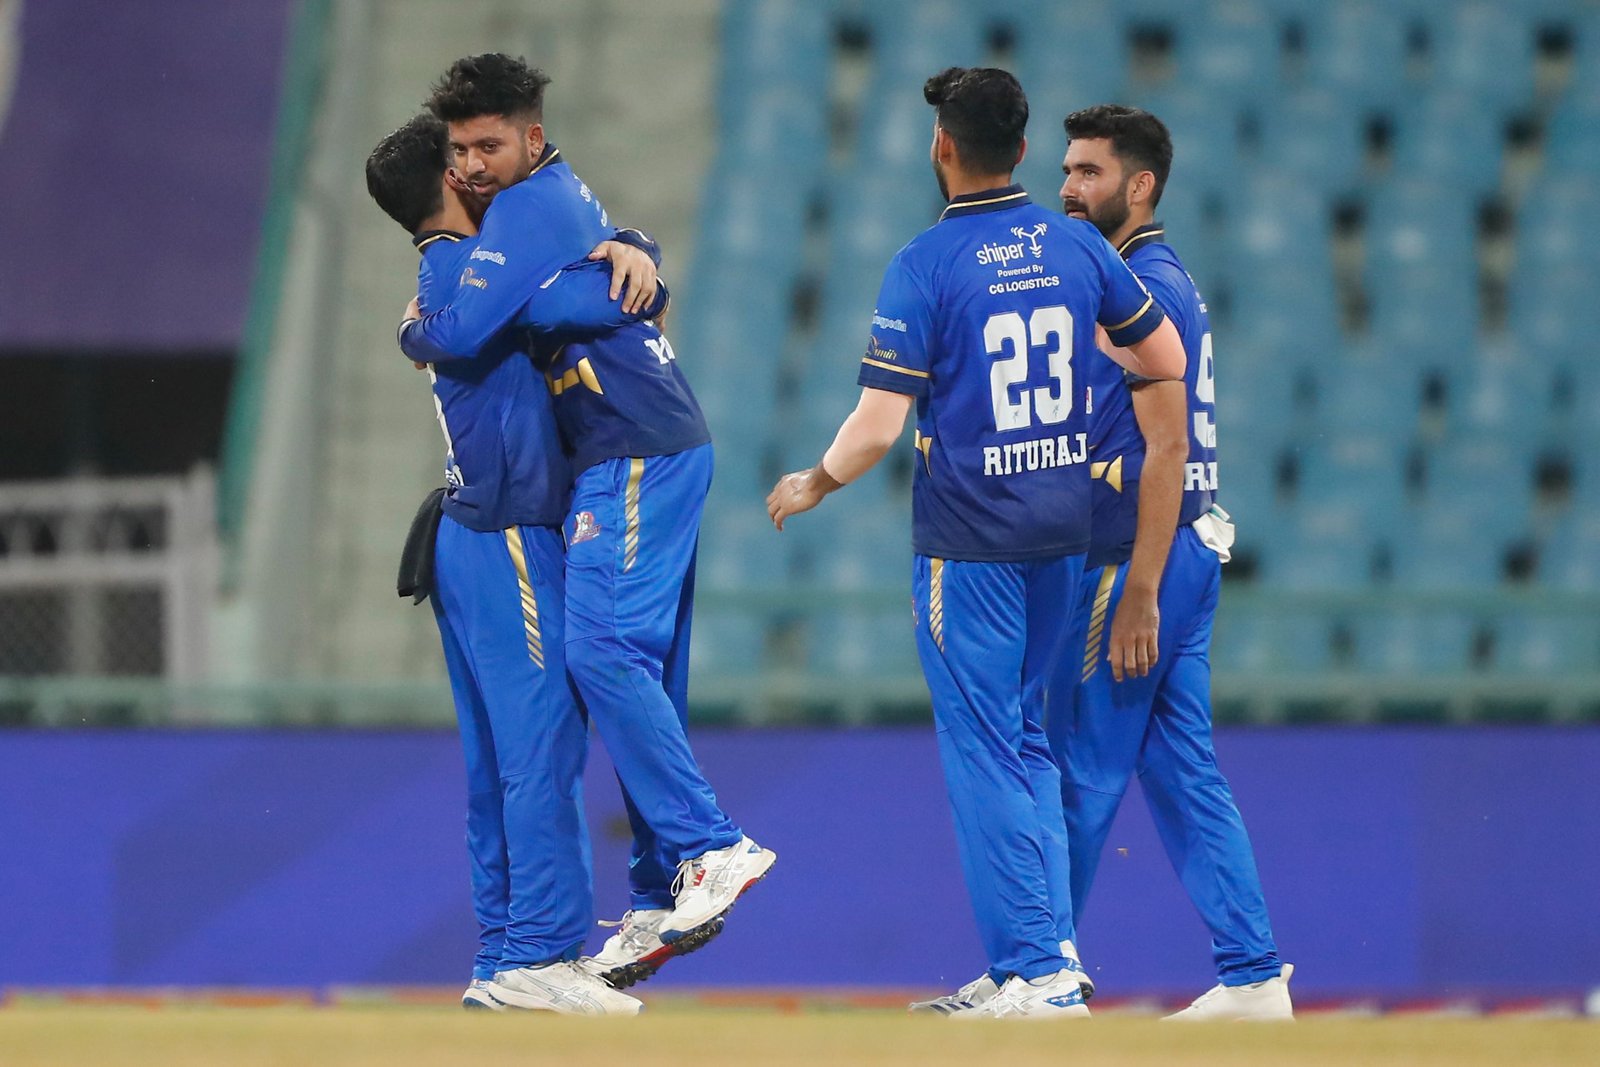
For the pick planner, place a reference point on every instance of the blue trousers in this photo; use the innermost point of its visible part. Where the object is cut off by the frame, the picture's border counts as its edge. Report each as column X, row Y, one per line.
column 1159, row 726
column 498, row 601
column 632, row 538
column 989, row 636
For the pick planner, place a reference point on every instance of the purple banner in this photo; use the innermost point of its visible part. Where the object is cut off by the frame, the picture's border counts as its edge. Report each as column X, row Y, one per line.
column 136, row 138
column 1396, row 862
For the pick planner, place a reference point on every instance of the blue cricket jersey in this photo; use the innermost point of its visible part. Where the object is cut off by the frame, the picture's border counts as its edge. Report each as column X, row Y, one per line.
column 504, row 465
column 619, row 393
column 1115, row 444
column 530, row 232
column 986, row 318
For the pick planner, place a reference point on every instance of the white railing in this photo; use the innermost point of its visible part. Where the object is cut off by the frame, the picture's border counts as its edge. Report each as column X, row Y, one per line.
column 107, row 576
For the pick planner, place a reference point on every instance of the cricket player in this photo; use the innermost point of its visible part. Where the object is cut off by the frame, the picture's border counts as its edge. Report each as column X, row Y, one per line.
column 497, row 598
column 982, row 322
column 643, row 466
column 1156, row 552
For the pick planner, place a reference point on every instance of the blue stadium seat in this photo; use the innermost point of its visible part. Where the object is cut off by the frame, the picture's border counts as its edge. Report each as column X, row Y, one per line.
column 1377, row 398
column 1547, row 643
column 1414, row 643
column 1486, row 475
column 1358, row 50
column 1484, row 48
column 1554, row 311
column 1569, row 556
column 876, row 643
column 1323, row 547
column 1499, row 396
column 739, row 549
column 1314, row 137
column 1255, row 642
column 727, row 643
column 1445, row 138
column 1234, row 54
column 1447, row 546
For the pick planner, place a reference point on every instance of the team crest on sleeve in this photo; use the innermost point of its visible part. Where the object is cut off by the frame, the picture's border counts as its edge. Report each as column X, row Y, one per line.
column 584, row 528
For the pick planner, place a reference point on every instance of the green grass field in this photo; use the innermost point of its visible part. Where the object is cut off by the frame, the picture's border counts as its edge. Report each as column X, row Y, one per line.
column 80, row 1036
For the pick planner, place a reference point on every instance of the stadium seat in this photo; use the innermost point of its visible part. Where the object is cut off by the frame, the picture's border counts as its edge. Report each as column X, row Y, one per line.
column 1358, row 50
column 1547, row 643
column 1257, row 642
column 1374, row 398
column 1411, row 643
column 1445, row 137
column 1445, row 545
column 1314, row 137
column 1569, row 555
column 1234, row 54
column 1486, row 49
column 1499, row 396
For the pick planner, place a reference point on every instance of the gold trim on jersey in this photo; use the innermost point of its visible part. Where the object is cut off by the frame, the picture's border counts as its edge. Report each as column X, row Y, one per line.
column 530, row 604
column 1137, row 315
column 583, row 372
column 438, row 237
column 555, row 154
column 1022, row 195
column 881, row 365
column 630, row 513
column 925, row 446
column 936, row 601
column 1097, row 621
column 1109, row 471
column 1141, row 235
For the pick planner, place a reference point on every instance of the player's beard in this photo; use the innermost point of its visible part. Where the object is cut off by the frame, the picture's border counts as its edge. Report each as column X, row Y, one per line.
column 1110, row 216
column 938, row 176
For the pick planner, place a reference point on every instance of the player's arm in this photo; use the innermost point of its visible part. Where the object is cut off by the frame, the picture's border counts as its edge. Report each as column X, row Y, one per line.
column 520, row 246
column 1143, row 341
column 894, row 372
column 635, row 258
column 1162, row 412
column 864, row 439
column 579, row 299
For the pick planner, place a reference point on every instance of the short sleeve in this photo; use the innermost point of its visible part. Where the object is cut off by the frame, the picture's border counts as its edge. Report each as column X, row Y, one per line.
column 1127, row 310
column 898, row 357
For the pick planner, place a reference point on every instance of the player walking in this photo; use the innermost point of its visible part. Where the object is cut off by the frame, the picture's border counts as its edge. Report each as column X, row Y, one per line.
column 497, row 598
column 1154, row 717
column 981, row 321
column 644, row 465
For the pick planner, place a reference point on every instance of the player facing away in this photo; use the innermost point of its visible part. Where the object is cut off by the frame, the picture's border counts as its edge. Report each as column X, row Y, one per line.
column 498, row 601
column 980, row 322
column 1110, row 720
column 644, row 465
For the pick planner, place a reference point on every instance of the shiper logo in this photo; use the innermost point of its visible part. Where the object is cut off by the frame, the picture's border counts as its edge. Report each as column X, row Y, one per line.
column 1032, row 237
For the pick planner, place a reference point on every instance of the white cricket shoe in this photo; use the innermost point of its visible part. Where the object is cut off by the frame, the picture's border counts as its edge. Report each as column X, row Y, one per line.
column 981, row 989
column 707, row 885
column 561, row 987
column 1266, row 1001
column 1053, row 996
column 636, row 952
column 977, row 992
column 479, row 996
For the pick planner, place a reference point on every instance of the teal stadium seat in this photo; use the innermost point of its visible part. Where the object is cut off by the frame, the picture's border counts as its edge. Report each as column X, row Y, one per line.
column 1358, row 50
column 1445, row 545
column 1255, row 642
column 1543, row 644
column 1446, row 137
column 1413, row 643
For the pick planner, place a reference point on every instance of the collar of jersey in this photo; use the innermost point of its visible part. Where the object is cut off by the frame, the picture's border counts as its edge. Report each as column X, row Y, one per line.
column 547, row 157
column 1144, row 235
column 984, row 201
column 428, row 237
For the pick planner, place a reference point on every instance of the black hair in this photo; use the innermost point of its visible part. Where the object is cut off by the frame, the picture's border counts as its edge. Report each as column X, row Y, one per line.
column 1137, row 137
column 984, row 111
column 490, row 84
column 404, row 171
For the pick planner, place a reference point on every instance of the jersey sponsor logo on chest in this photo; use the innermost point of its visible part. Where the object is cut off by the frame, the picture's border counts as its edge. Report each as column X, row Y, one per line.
column 1044, row 453
column 1027, row 243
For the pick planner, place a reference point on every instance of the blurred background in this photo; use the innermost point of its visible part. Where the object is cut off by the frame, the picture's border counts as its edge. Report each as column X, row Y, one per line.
column 211, row 448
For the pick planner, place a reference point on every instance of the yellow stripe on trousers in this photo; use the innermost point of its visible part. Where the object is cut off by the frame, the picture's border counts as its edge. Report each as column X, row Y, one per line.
column 630, row 514
column 530, row 605
column 936, row 601
column 1097, row 622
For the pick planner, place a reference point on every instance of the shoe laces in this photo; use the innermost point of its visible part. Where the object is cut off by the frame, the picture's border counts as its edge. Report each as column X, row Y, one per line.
column 1208, row 996
column 634, row 935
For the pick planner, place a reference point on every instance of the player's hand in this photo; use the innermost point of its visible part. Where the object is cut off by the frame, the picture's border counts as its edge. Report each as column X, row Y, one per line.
column 793, row 494
column 413, row 311
column 1134, row 632
column 633, row 275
